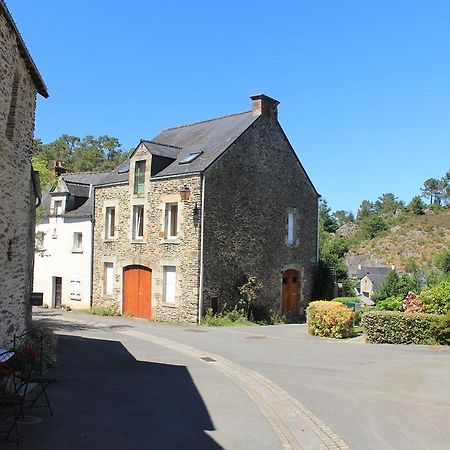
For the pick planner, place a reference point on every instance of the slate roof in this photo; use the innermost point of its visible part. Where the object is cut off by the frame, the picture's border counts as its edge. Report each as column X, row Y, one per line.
column 79, row 187
column 210, row 137
column 376, row 270
column 31, row 66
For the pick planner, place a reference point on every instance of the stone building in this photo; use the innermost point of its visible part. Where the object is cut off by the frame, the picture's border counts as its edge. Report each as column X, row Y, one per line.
column 197, row 210
column 19, row 186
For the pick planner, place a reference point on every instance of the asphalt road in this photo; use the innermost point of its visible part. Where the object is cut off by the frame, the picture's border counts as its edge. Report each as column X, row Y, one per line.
column 134, row 384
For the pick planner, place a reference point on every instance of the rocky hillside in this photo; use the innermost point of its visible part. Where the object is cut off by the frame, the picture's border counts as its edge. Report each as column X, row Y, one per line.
column 412, row 238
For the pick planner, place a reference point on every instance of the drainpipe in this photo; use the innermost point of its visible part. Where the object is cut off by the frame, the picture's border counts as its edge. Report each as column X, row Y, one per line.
column 318, row 232
column 91, row 284
column 200, row 294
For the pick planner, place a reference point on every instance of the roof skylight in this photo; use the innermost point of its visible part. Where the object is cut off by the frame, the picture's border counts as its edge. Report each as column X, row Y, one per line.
column 190, row 158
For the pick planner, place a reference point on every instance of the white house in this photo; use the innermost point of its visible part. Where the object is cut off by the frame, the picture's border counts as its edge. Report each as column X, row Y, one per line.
column 63, row 263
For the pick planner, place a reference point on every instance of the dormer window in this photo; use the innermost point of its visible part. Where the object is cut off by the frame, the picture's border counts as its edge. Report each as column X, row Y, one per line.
column 57, row 210
column 139, row 177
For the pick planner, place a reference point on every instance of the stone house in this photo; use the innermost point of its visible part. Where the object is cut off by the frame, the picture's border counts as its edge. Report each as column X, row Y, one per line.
column 63, row 262
column 19, row 186
column 370, row 279
column 198, row 209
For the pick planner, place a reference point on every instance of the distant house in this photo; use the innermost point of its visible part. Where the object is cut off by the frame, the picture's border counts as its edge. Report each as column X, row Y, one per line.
column 198, row 209
column 63, row 263
column 19, row 185
column 370, row 279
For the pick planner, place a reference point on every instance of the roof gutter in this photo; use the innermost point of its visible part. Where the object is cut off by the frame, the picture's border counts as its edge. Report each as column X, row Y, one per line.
column 202, row 221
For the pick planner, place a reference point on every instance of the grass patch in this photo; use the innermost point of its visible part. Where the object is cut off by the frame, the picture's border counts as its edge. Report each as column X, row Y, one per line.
column 102, row 311
column 225, row 318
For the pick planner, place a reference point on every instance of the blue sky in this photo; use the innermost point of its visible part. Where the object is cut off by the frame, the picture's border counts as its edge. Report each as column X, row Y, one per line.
column 364, row 86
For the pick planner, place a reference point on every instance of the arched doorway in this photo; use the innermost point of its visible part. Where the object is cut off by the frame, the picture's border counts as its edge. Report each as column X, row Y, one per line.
column 289, row 292
column 137, row 291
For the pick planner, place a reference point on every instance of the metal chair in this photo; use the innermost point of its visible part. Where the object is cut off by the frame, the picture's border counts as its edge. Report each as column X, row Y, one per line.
column 14, row 387
column 37, row 376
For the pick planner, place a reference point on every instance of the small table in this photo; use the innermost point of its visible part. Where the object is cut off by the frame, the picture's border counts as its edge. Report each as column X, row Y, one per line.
column 5, row 354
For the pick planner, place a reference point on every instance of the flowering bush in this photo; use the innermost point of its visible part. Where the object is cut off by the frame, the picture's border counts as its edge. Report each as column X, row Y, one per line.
column 412, row 303
column 329, row 319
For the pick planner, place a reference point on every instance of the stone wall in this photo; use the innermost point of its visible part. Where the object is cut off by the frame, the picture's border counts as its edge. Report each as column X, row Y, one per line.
column 248, row 193
column 16, row 193
column 153, row 251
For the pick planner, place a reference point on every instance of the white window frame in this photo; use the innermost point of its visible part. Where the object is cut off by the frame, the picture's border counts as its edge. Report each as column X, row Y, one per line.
column 138, row 222
column 169, row 290
column 57, row 208
column 291, row 237
column 75, row 288
column 110, row 225
column 108, row 278
column 169, row 231
column 139, row 176
column 77, row 245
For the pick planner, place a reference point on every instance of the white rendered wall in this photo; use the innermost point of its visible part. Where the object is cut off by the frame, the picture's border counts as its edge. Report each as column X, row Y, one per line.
column 59, row 260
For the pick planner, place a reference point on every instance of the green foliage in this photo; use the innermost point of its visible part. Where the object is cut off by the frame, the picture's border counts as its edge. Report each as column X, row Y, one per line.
column 225, row 318
column 342, row 217
column 86, row 154
column 393, row 327
column 46, row 176
column 329, row 319
column 436, row 299
column 416, row 206
column 396, row 285
column 442, row 261
column 249, row 294
column 394, row 303
column 346, row 300
column 372, row 226
column 387, row 204
column 326, row 219
column 102, row 311
column 365, row 209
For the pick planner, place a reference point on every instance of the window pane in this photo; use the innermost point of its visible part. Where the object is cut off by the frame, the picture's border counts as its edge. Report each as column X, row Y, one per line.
column 139, row 177
column 110, row 222
column 171, row 220
column 291, row 236
column 77, row 241
column 138, row 222
column 169, row 284
column 109, row 279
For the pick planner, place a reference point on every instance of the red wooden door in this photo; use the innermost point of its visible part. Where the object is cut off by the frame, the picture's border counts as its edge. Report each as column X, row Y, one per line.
column 289, row 292
column 137, row 291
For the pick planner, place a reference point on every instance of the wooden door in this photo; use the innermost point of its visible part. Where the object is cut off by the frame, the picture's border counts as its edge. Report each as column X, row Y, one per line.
column 289, row 292
column 58, row 291
column 137, row 291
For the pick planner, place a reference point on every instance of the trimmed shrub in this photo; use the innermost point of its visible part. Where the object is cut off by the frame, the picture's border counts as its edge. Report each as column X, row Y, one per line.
column 330, row 319
column 436, row 299
column 394, row 303
column 346, row 300
column 393, row 327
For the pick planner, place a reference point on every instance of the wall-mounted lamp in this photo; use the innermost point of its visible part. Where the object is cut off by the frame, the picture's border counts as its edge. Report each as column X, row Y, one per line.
column 185, row 193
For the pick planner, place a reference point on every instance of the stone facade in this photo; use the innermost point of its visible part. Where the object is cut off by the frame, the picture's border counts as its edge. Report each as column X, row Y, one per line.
column 153, row 251
column 19, row 84
column 248, row 191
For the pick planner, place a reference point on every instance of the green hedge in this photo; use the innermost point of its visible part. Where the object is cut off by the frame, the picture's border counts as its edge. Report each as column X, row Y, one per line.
column 393, row 327
column 329, row 319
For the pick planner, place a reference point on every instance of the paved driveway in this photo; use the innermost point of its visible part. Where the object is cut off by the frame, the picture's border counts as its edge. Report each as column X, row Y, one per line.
column 133, row 384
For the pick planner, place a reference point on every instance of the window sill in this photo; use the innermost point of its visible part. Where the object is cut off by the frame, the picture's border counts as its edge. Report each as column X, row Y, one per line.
column 77, row 251
column 78, row 299
column 170, row 241
column 169, row 305
column 138, row 241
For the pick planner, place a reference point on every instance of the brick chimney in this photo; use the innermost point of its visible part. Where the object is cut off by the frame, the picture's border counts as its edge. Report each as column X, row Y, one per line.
column 58, row 168
column 262, row 105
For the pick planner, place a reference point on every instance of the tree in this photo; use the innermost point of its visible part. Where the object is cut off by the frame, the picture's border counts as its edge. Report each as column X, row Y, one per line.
column 431, row 189
column 396, row 285
column 46, row 176
column 365, row 209
column 327, row 220
column 387, row 204
column 89, row 154
column 342, row 217
column 416, row 205
column 372, row 226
